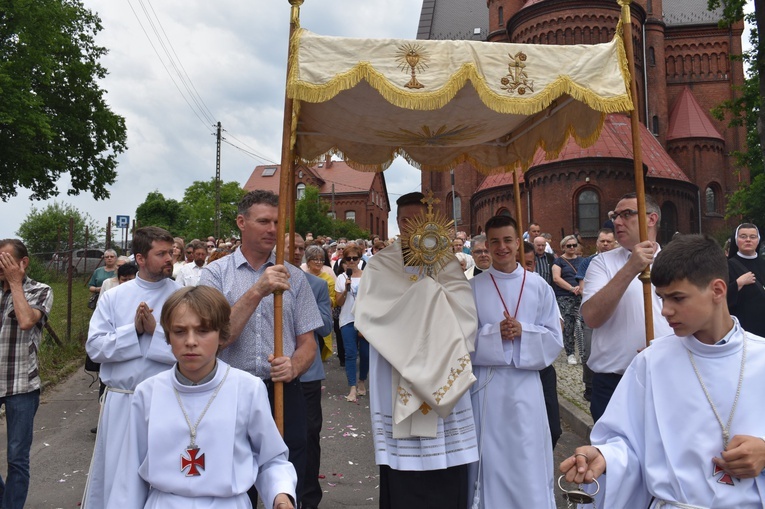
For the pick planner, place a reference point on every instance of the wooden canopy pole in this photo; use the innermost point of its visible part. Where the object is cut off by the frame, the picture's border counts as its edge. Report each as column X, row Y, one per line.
column 637, row 154
column 519, row 218
column 286, row 165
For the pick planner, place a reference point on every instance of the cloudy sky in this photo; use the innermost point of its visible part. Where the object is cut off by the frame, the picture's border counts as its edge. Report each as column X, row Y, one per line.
column 235, row 54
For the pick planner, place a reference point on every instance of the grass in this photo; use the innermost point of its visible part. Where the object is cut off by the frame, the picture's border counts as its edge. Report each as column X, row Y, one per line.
column 58, row 361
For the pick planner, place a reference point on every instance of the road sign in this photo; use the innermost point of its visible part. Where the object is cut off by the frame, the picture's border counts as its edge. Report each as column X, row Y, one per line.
column 123, row 221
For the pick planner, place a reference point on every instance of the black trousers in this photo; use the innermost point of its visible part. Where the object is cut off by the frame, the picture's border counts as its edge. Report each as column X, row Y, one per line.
column 549, row 379
column 311, row 494
column 427, row 489
column 603, row 387
column 294, row 433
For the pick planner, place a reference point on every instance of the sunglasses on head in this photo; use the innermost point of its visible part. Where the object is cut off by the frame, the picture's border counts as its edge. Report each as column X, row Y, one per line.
column 352, row 258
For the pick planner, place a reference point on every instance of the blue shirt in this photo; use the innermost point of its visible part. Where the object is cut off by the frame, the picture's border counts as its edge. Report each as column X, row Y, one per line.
column 233, row 276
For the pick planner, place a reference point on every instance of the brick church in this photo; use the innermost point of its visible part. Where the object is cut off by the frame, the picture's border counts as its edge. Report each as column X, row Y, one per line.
column 683, row 69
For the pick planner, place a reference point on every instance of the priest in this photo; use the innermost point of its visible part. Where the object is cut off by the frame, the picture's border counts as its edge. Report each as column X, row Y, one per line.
column 519, row 333
column 420, row 323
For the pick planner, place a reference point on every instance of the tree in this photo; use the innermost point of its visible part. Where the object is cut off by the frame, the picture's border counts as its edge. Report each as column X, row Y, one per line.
column 53, row 115
column 40, row 230
column 198, row 209
column 311, row 215
column 745, row 110
column 156, row 210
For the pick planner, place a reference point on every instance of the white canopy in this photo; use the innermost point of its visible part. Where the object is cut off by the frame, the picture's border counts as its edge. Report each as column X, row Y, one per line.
column 440, row 103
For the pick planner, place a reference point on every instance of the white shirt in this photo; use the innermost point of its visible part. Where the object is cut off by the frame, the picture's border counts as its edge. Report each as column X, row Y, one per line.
column 616, row 342
column 189, row 275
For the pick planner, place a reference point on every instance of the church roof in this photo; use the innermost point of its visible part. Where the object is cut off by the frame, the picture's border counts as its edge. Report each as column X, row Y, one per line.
column 615, row 141
column 689, row 12
column 689, row 120
column 454, row 20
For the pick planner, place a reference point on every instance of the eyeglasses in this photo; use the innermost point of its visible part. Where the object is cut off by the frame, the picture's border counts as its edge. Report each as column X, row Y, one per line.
column 316, row 260
column 624, row 214
column 352, row 258
column 189, row 252
column 744, row 236
column 210, row 245
column 569, row 246
column 480, row 251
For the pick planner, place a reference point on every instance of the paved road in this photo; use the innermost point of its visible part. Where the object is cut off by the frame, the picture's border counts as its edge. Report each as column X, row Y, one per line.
column 63, row 445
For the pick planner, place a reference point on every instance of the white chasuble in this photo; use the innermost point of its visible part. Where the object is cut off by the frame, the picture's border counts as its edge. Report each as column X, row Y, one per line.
column 516, row 465
column 238, row 446
column 659, row 433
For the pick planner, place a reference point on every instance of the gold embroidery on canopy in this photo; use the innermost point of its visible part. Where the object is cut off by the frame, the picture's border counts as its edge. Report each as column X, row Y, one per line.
column 517, row 80
column 412, row 58
column 403, row 395
column 454, row 373
column 426, row 137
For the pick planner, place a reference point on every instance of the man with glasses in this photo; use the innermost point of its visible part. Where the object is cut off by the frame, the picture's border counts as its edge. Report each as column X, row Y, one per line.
column 613, row 300
column 543, row 260
column 481, row 256
column 746, row 287
column 606, row 242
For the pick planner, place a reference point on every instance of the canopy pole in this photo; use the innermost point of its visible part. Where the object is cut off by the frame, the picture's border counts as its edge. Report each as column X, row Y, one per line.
column 645, row 276
column 519, row 217
column 286, row 165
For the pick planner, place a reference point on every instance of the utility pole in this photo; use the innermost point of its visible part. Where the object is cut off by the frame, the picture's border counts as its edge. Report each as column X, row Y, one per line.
column 217, row 185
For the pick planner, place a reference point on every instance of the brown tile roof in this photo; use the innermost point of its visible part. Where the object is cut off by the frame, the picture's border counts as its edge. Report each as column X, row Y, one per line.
column 689, row 120
column 346, row 179
column 615, row 142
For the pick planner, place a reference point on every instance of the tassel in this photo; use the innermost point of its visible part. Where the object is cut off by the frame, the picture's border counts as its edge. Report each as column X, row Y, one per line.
column 476, row 496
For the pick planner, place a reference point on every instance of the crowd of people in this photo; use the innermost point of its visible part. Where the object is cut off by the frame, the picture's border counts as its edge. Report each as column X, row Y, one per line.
column 457, row 365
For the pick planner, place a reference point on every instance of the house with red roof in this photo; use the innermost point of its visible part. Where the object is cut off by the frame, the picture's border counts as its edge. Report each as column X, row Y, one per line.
column 684, row 70
column 357, row 196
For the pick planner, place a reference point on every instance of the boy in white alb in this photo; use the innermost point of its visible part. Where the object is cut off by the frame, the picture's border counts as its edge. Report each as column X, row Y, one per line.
column 201, row 434
column 684, row 428
column 519, row 333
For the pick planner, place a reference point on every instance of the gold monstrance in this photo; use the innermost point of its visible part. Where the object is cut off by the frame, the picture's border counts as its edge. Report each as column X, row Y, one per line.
column 426, row 240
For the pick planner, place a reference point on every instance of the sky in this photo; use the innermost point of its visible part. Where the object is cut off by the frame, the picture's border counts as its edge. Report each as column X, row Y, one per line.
column 234, row 54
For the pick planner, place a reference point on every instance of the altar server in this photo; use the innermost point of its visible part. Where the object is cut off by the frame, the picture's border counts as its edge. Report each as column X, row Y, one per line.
column 685, row 425
column 519, row 333
column 201, row 434
column 124, row 337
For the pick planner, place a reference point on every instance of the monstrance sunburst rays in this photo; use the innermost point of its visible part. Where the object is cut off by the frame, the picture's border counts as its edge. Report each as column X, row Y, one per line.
column 426, row 240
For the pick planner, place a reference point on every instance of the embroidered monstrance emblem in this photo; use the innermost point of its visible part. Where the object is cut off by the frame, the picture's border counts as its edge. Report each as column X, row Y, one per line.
column 517, row 80
column 412, row 58
column 192, row 462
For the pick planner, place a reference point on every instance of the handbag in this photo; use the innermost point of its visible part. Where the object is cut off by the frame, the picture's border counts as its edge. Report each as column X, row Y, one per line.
column 93, row 300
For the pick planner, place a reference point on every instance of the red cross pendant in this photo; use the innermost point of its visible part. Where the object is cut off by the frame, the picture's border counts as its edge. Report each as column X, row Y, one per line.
column 192, row 462
column 725, row 478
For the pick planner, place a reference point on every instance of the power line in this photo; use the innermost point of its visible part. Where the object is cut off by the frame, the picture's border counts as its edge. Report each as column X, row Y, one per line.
column 254, row 155
column 207, row 124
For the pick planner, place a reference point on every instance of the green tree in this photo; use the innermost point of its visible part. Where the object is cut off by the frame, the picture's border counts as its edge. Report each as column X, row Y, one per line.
column 157, row 210
column 198, row 209
column 40, row 229
column 745, row 110
column 311, row 213
column 53, row 115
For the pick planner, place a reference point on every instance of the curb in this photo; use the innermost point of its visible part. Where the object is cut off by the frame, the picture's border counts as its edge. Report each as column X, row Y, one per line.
column 577, row 419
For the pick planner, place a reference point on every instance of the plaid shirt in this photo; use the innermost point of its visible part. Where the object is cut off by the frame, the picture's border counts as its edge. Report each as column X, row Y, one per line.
column 19, row 372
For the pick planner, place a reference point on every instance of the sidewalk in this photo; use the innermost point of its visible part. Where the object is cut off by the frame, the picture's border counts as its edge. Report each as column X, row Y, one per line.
column 574, row 409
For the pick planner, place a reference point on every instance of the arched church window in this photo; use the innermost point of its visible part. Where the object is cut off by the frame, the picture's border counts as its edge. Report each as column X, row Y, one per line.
column 588, row 213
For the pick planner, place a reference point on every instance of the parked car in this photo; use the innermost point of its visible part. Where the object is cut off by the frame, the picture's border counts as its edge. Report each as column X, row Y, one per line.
column 83, row 262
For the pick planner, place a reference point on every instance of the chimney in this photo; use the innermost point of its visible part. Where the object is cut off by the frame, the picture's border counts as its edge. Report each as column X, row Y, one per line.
column 328, row 161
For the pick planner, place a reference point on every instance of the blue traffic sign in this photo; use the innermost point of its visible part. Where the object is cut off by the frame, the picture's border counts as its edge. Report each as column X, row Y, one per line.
column 123, row 221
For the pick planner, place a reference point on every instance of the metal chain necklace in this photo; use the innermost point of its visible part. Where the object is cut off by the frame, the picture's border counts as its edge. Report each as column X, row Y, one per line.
column 194, row 461
column 725, row 428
